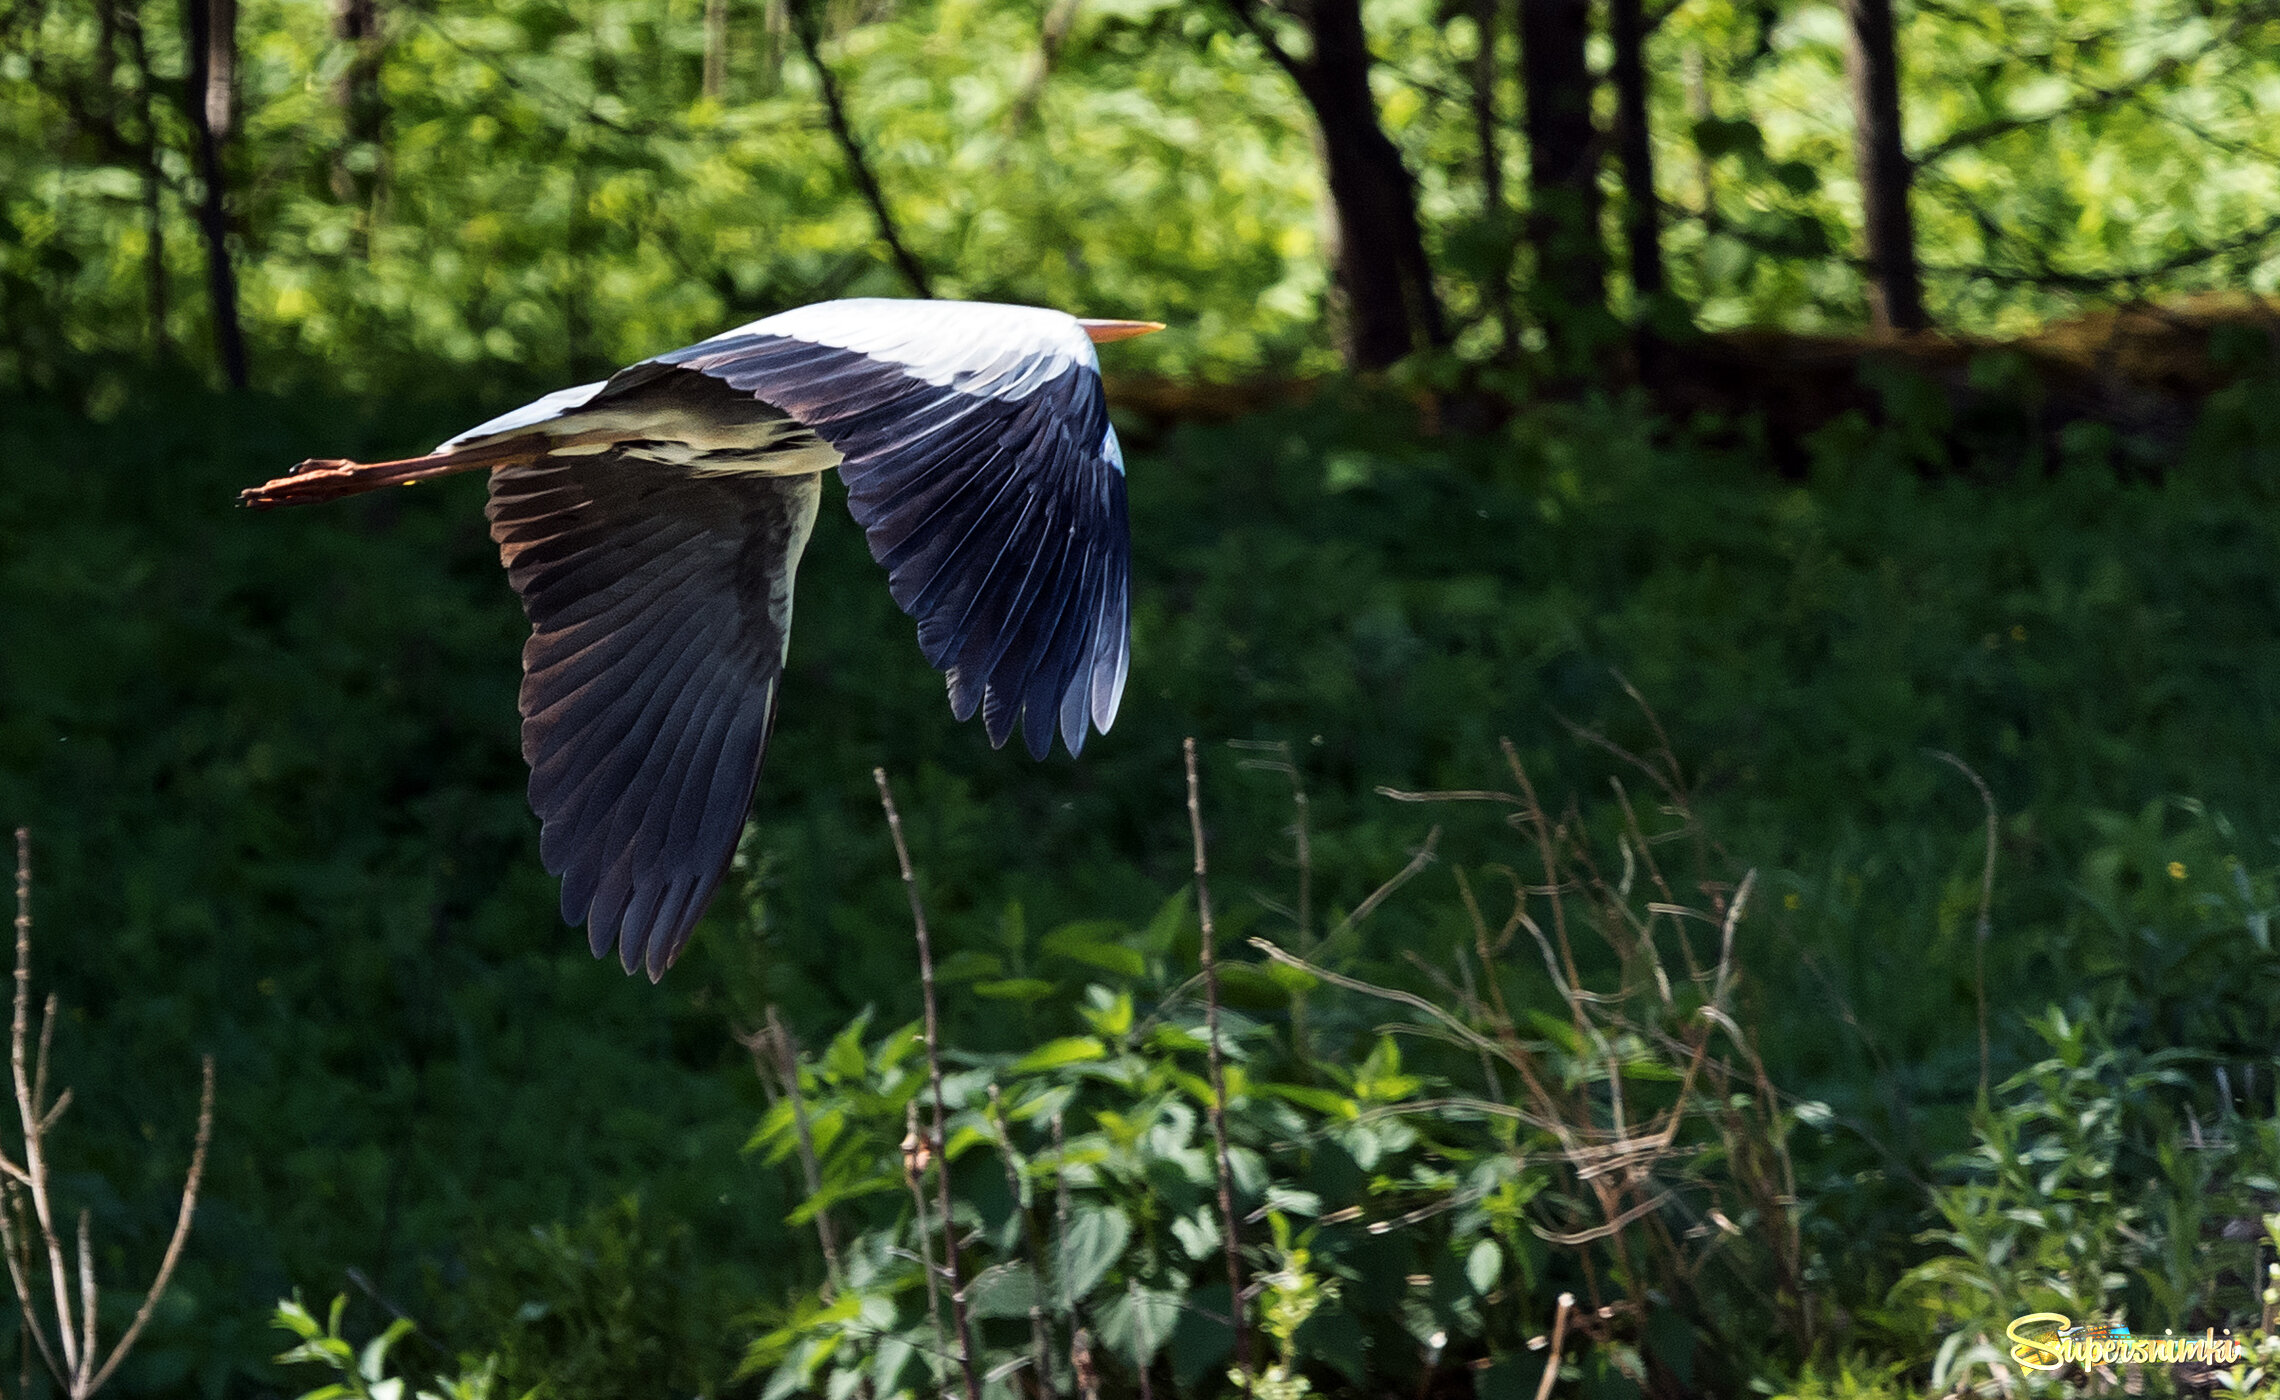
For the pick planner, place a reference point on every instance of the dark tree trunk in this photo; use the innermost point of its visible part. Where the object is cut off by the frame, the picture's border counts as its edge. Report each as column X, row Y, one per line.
column 364, row 112
column 1384, row 277
column 211, row 26
column 1896, row 299
column 1642, row 222
column 1563, row 167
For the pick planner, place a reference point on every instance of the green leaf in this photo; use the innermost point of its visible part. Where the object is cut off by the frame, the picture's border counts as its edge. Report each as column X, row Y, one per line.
column 1106, row 1012
column 1002, row 1290
column 1173, row 917
column 1484, row 1266
column 1091, row 942
column 1651, row 1071
column 1328, row 1103
column 1138, row 1321
column 1250, row 987
column 969, row 965
column 1095, row 1240
column 1068, row 1050
column 1198, row 1233
column 844, row 1059
column 1559, row 1032
column 1015, row 989
column 372, row 1364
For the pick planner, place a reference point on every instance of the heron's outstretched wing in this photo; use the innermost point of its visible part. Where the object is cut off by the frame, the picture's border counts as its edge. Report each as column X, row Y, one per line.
column 980, row 462
column 660, row 605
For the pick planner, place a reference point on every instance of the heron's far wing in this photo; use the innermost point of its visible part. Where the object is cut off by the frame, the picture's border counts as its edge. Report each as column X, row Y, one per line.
column 660, row 605
column 530, row 415
column 980, row 462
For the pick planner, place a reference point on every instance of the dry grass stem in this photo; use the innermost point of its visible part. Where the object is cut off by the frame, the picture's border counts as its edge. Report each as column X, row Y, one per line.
column 1985, row 928
column 1559, row 1342
column 1630, row 1200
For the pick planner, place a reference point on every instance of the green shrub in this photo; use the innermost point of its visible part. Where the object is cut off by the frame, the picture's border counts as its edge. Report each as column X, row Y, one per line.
column 1594, row 1123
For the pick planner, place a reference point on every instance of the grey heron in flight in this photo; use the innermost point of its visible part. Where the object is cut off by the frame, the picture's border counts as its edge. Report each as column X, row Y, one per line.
column 652, row 523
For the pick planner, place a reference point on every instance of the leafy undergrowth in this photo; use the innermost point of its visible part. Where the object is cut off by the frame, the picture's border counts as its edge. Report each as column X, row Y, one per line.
column 271, row 768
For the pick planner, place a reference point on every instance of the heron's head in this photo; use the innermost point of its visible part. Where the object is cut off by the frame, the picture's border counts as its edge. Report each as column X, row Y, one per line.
column 1103, row 332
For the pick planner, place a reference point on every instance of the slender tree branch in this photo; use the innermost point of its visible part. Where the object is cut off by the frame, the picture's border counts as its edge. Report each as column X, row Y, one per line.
column 915, row 1154
column 805, row 26
column 1246, row 13
column 934, row 1083
column 2094, row 99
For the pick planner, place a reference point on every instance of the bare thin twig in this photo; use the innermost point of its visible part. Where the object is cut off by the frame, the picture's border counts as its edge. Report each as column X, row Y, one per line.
column 1209, row 958
column 32, row 1111
column 72, row 1356
column 934, row 1083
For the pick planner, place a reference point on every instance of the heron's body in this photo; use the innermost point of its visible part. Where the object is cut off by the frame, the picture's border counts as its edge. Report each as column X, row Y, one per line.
column 653, row 522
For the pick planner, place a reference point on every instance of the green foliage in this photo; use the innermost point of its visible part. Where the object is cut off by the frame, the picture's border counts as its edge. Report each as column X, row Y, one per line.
column 622, row 1301
column 364, row 1371
column 1611, row 1134
column 2052, row 1216
column 545, row 187
column 273, row 761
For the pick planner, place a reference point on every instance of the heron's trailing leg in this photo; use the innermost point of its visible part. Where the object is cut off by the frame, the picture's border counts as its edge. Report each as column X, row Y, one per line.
column 329, row 478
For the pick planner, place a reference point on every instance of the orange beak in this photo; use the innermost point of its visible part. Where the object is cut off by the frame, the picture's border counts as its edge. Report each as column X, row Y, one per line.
column 1103, row 332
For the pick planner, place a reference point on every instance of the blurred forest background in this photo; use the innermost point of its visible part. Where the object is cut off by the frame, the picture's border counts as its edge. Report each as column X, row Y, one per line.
column 1801, row 474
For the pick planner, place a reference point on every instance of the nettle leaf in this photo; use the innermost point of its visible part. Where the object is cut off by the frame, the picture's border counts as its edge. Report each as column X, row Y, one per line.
column 1002, row 1290
column 799, row 1372
column 1095, row 1241
column 1198, row 1233
column 895, row 1352
column 1139, row 1321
